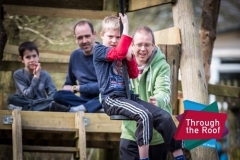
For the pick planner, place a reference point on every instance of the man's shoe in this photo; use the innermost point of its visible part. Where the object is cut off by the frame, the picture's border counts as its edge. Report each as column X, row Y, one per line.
column 56, row 107
column 12, row 107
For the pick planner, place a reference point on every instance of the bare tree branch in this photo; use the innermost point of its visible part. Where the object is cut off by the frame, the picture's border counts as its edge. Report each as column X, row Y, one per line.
column 17, row 20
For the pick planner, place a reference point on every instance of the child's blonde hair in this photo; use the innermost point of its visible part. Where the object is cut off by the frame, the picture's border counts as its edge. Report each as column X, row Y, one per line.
column 110, row 22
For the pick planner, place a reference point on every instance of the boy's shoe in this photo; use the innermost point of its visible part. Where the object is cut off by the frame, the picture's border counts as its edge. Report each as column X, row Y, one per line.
column 12, row 107
column 180, row 158
column 56, row 107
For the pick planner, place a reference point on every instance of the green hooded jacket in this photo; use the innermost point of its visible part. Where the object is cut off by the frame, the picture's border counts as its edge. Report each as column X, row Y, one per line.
column 154, row 81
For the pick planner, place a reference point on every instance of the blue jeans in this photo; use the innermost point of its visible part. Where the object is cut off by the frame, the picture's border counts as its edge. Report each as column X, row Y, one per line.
column 30, row 104
column 68, row 98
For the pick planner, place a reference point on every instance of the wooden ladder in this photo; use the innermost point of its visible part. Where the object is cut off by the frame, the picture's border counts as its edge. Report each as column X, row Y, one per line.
column 48, row 132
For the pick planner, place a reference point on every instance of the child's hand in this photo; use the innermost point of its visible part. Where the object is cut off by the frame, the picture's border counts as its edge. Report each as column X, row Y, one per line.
column 37, row 70
column 153, row 101
column 124, row 20
column 129, row 55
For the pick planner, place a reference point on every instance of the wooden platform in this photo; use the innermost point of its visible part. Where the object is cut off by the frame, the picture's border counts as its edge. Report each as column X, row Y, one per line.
column 62, row 132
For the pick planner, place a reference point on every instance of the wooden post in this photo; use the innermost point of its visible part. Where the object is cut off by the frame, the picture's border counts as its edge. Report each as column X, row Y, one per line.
column 81, row 142
column 17, row 135
column 233, row 124
column 233, row 120
column 191, row 65
column 172, row 56
column 3, row 34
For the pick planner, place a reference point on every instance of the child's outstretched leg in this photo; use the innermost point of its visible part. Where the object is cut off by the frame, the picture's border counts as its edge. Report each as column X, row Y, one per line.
column 164, row 124
column 115, row 105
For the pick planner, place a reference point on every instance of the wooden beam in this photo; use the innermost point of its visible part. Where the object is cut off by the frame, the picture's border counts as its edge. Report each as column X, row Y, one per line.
column 49, row 67
column 17, row 135
column 142, row 4
column 54, row 120
column 169, row 36
column 11, row 54
column 220, row 90
column 29, row 148
column 103, row 137
column 81, row 141
column 74, row 4
column 5, row 113
column 172, row 53
column 100, row 122
column 56, row 12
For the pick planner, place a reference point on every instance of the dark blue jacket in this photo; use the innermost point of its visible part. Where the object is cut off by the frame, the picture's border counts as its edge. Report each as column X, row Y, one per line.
column 81, row 69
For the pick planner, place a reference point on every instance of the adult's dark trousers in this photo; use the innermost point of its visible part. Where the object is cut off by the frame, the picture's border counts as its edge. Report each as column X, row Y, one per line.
column 68, row 98
column 129, row 151
column 30, row 104
column 147, row 117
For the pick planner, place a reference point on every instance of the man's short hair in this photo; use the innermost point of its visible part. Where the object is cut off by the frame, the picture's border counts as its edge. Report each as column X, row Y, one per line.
column 144, row 29
column 27, row 46
column 110, row 22
column 80, row 23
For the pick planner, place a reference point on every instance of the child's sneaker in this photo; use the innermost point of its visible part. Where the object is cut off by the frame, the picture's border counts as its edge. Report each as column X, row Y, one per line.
column 180, row 158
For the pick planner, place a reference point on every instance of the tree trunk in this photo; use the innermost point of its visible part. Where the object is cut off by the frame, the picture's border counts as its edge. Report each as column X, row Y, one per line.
column 233, row 120
column 191, row 65
column 3, row 34
column 208, row 29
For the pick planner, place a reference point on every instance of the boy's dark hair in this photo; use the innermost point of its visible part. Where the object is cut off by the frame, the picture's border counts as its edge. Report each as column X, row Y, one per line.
column 27, row 46
column 145, row 29
column 82, row 23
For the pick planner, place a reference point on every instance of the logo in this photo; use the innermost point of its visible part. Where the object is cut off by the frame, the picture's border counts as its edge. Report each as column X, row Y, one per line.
column 200, row 125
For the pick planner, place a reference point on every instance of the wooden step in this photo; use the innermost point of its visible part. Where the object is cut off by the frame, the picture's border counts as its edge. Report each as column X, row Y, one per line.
column 29, row 148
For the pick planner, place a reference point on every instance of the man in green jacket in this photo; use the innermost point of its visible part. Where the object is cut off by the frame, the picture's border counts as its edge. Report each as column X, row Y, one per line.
column 152, row 85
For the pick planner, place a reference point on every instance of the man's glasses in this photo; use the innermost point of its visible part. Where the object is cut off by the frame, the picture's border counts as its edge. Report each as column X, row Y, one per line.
column 146, row 46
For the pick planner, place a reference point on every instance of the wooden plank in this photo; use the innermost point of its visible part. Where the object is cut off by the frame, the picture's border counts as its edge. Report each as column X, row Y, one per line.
column 11, row 54
column 54, row 120
column 224, row 90
column 56, row 12
column 81, row 142
column 103, row 137
column 142, row 4
column 29, row 148
column 102, row 144
column 220, row 90
column 48, row 66
column 6, row 86
column 172, row 56
column 100, row 122
column 1, row 100
column 5, row 126
column 17, row 135
column 85, row 4
column 169, row 36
